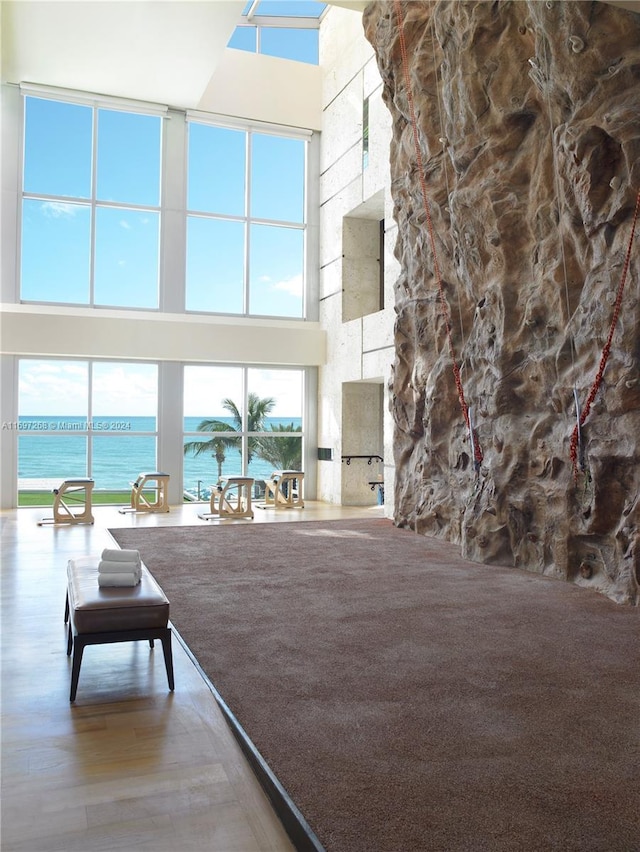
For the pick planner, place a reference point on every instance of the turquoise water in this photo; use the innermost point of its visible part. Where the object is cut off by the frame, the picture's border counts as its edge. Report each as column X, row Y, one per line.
column 49, row 449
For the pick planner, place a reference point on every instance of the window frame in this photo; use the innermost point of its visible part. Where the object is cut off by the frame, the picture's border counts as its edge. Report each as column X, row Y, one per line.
column 93, row 426
column 172, row 232
column 93, row 203
column 251, row 129
column 244, row 433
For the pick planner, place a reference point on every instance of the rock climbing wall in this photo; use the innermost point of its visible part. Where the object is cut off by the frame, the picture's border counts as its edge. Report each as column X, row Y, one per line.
column 527, row 118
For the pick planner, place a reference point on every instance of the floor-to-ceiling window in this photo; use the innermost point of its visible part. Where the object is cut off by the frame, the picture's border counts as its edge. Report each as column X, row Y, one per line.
column 99, row 419
column 246, row 421
column 84, row 419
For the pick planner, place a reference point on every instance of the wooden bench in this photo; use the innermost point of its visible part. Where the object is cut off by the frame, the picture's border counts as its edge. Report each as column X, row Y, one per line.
column 103, row 615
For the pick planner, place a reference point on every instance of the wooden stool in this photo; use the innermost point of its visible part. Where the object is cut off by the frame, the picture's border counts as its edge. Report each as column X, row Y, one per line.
column 140, row 502
column 284, row 490
column 231, row 498
column 103, row 615
column 75, row 491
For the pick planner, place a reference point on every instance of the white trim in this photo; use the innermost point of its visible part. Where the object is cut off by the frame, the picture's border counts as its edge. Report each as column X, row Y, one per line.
column 88, row 99
column 282, row 23
column 244, row 124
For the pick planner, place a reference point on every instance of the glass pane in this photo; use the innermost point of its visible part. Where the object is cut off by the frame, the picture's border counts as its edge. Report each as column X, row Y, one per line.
column 57, row 148
column 118, row 459
column 213, row 393
column 284, row 387
column 216, row 180
column 56, row 239
column 126, row 262
column 213, row 417
column 277, row 178
column 277, row 263
column 288, row 43
column 53, row 391
column 218, row 457
column 276, row 452
column 244, row 38
column 215, row 265
column 129, row 157
column 281, row 447
column 45, row 461
column 124, row 397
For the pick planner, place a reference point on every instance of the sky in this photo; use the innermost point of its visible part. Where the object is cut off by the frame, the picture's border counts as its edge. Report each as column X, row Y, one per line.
column 235, row 180
column 61, row 388
column 113, row 204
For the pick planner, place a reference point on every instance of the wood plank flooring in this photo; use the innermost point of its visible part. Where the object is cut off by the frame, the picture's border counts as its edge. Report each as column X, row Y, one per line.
column 129, row 766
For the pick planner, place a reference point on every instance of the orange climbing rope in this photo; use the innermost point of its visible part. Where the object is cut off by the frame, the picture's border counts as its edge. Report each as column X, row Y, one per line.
column 595, row 387
column 477, row 451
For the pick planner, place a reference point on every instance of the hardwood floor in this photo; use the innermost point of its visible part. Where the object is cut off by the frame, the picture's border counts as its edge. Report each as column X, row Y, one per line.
column 129, row 766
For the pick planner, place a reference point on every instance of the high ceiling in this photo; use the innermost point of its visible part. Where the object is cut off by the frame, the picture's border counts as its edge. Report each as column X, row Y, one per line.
column 163, row 51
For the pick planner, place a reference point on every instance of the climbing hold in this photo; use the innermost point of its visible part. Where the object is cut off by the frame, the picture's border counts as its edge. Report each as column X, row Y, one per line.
column 586, row 570
column 577, row 44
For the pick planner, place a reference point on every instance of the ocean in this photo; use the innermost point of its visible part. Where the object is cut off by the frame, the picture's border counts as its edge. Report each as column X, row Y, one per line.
column 48, row 449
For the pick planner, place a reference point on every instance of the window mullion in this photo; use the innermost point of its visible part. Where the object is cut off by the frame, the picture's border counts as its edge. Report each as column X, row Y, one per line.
column 90, row 419
column 94, row 193
column 245, row 420
column 247, row 212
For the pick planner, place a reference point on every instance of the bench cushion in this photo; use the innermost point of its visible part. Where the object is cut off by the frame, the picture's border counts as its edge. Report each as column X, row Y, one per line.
column 97, row 609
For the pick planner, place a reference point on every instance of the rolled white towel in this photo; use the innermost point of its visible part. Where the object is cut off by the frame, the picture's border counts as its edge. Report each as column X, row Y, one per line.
column 112, row 555
column 118, row 567
column 122, row 579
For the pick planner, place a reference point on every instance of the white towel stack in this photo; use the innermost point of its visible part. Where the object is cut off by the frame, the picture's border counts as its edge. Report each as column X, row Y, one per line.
column 119, row 568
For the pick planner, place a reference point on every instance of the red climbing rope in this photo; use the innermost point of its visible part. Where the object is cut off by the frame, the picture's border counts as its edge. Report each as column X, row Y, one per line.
column 477, row 451
column 607, row 347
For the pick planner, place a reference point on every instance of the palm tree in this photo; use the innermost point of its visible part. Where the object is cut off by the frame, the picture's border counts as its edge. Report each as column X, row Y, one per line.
column 219, row 454
column 258, row 409
column 284, row 453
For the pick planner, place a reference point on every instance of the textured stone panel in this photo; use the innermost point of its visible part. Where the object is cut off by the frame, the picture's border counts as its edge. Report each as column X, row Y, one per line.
column 528, row 119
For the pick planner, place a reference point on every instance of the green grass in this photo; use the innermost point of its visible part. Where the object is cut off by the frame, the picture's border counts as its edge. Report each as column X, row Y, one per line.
column 98, row 498
column 45, row 498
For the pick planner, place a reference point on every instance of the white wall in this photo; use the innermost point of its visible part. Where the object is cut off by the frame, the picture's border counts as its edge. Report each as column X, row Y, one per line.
column 360, row 350
column 263, row 87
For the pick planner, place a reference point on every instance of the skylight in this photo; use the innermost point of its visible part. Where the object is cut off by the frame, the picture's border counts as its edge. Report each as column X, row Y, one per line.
column 287, row 29
column 285, row 8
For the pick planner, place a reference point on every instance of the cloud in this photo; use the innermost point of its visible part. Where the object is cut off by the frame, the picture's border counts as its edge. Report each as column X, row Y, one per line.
column 124, row 224
column 292, row 286
column 57, row 209
column 62, row 388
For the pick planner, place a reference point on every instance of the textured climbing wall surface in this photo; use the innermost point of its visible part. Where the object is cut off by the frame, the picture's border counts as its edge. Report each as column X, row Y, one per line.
column 528, row 121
